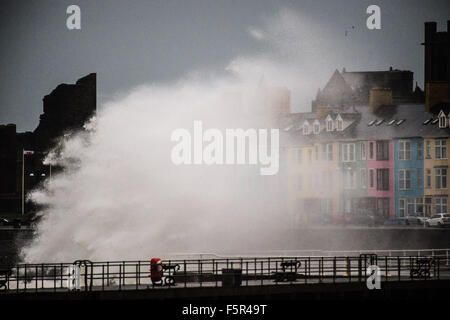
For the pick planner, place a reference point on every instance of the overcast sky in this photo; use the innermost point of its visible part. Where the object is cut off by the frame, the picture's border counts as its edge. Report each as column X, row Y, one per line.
column 133, row 42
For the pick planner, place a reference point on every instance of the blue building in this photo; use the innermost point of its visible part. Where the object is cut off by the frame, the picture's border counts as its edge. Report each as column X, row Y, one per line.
column 409, row 184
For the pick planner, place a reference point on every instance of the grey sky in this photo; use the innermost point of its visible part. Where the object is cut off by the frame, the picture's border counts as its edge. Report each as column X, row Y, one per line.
column 134, row 42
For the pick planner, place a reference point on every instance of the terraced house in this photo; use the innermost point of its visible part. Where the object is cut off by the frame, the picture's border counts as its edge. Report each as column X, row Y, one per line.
column 386, row 164
column 373, row 146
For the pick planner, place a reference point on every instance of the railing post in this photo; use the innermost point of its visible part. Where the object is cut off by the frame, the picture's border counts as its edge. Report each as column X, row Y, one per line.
column 17, row 278
column 216, row 275
column 360, row 268
column 107, row 274
column 246, row 272
column 124, row 273
column 386, row 265
column 185, row 275
column 439, row 268
column 334, row 269
column 25, row 275
column 320, row 269
column 137, row 272
column 349, row 269
column 447, row 256
column 200, row 273
column 120, row 277
column 255, row 266
column 306, row 271
column 262, row 272
column 54, row 278
column 398, row 267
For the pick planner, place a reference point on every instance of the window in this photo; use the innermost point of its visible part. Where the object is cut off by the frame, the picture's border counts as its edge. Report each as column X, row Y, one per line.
column 441, row 204
column 363, row 178
column 382, row 150
column 427, row 206
column 404, row 152
column 419, row 206
column 428, row 178
column 348, row 152
column 404, row 179
column 428, row 149
column 310, row 155
column 371, row 178
column 347, row 206
column 329, row 125
column 401, row 207
column 316, row 127
column 299, row 182
column 410, row 206
column 441, row 178
column 326, row 206
column 306, row 128
column 349, row 179
column 442, row 120
column 339, row 123
column 419, row 150
column 441, row 148
column 330, row 152
column 299, row 155
column 316, row 152
column 382, row 179
column 419, row 177
column 383, row 207
column 371, row 150
column 329, row 181
column 363, row 150
column 324, row 152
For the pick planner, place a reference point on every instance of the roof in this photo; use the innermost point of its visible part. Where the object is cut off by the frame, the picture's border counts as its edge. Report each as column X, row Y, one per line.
column 388, row 122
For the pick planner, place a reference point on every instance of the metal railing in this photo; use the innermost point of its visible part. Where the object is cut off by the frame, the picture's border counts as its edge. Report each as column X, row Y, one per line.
column 443, row 253
column 135, row 275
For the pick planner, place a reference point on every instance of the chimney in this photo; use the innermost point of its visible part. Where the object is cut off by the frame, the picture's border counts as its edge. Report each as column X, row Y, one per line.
column 379, row 97
column 430, row 30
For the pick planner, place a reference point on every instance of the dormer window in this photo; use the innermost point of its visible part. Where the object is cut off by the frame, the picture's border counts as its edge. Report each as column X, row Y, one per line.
column 339, row 123
column 306, row 128
column 442, row 120
column 329, row 122
column 316, row 127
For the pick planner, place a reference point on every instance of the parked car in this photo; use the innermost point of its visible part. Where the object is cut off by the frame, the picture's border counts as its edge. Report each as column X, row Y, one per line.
column 439, row 220
column 4, row 222
column 395, row 222
column 422, row 219
column 341, row 219
column 16, row 223
column 412, row 219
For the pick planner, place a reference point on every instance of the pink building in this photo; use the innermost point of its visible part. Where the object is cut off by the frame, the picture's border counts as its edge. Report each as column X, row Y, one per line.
column 380, row 174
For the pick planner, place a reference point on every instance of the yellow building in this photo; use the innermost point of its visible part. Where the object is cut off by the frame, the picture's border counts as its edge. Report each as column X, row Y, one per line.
column 436, row 163
column 312, row 178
